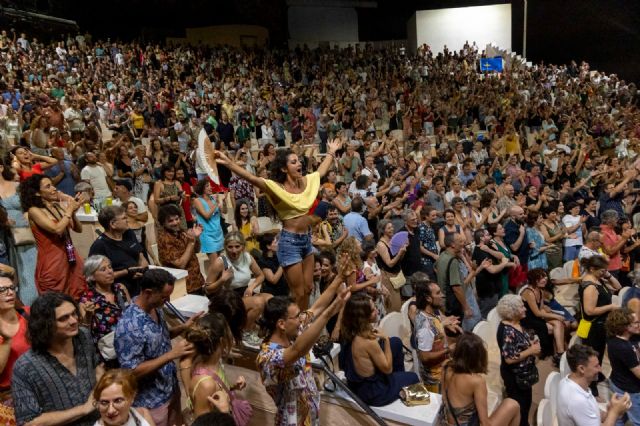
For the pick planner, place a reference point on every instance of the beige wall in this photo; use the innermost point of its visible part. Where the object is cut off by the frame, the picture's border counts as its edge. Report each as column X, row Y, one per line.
column 233, row 35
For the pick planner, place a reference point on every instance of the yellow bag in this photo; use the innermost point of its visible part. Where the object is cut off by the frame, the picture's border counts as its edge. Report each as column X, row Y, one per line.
column 416, row 394
column 583, row 328
column 398, row 281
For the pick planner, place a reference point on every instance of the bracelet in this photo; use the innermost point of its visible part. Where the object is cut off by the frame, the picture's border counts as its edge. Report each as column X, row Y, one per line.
column 332, row 154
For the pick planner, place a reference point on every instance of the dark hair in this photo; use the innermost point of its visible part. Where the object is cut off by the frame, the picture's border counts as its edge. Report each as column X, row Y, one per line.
column 265, row 149
column 597, row 261
column 168, row 211
column 42, row 319
column 124, row 182
column 478, row 234
column 274, row 310
column 356, row 317
column 492, row 228
column 236, row 214
column 367, row 247
column 453, row 212
column 339, row 185
column 165, row 168
column 108, row 214
column 214, row 418
column 532, row 218
column 578, row 355
column 7, row 171
column 200, row 185
column 536, row 274
column 230, row 305
column 449, row 240
column 361, row 181
column 209, row 333
column 29, row 190
column 470, row 355
column 422, row 290
column 265, row 241
column 156, row 279
column 279, row 163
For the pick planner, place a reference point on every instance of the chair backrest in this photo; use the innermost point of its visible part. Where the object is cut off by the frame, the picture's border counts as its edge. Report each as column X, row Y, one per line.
column 568, row 268
column 557, row 273
column 623, row 291
column 564, row 366
column 485, row 331
column 551, row 390
column 392, row 325
column 616, row 300
column 544, row 416
column 494, row 319
column 404, row 310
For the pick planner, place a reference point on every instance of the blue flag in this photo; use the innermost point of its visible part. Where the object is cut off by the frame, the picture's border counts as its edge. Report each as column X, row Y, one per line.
column 491, row 64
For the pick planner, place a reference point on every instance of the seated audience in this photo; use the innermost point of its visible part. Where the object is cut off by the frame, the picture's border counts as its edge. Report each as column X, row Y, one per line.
column 177, row 248
column 372, row 361
column 464, row 389
column 576, row 404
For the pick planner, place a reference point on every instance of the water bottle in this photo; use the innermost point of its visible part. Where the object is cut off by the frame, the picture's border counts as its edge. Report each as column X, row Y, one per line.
column 71, row 254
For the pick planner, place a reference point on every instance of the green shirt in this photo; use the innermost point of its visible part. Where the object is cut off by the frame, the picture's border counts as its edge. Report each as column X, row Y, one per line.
column 454, row 271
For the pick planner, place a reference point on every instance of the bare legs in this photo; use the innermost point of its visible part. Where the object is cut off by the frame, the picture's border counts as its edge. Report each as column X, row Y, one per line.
column 507, row 413
column 299, row 277
column 255, row 306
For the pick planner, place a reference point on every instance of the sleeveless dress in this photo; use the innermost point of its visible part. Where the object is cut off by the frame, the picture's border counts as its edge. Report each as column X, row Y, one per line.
column 53, row 270
column 251, row 242
column 463, row 416
column 538, row 325
column 23, row 257
column 378, row 389
column 211, row 237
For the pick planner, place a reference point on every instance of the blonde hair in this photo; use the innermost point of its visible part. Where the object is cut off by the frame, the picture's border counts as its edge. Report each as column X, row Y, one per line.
column 349, row 256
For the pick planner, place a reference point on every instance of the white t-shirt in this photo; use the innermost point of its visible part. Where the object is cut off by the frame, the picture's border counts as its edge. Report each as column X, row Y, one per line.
column 576, row 406
column 570, row 221
column 97, row 177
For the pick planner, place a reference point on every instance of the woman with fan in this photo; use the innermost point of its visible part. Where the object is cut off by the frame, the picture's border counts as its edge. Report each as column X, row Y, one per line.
column 292, row 196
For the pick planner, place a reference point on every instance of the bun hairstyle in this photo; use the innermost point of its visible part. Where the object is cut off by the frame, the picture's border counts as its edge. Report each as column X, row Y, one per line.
column 210, row 333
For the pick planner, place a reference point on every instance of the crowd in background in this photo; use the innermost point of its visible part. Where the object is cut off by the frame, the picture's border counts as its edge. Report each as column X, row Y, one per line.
column 427, row 181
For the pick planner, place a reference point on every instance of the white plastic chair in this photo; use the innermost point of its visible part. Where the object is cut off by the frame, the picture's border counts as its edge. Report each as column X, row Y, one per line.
column 404, row 310
column 393, row 325
column 494, row 319
column 557, row 273
column 616, row 300
column 544, row 416
column 484, row 330
column 564, row 366
column 568, row 268
column 551, row 390
column 622, row 292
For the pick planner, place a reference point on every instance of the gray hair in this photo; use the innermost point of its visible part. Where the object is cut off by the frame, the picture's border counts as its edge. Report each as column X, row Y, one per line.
column 82, row 187
column 406, row 213
column 509, row 306
column 383, row 224
column 91, row 265
column 609, row 216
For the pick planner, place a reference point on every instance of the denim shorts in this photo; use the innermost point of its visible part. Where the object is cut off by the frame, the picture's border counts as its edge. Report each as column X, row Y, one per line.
column 293, row 248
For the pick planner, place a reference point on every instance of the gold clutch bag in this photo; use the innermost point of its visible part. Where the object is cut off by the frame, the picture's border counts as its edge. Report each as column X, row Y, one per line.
column 416, row 394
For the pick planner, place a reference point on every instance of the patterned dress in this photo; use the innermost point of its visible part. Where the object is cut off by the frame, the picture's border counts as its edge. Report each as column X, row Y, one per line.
column 537, row 259
column 292, row 387
column 107, row 314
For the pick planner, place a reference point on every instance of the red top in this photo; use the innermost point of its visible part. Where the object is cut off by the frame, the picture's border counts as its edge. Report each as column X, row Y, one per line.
column 186, row 202
column 19, row 345
column 35, row 170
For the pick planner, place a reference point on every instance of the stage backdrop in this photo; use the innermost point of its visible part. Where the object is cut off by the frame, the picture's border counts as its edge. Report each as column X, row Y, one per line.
column 454, row 26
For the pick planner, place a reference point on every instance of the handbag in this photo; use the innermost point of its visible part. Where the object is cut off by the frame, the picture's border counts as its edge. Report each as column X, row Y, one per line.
column 526, row 376
column 398, row 281
column 415, row 394
column 106, row 346
column 240, row 408
column 22, row 236
column 583, row 328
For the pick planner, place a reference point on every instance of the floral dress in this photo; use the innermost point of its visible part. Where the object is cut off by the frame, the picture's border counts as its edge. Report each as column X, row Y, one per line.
column 537, row 259
column 107, row 314
column 292, row 387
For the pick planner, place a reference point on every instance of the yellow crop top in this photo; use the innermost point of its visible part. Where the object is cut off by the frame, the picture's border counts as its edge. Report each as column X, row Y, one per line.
column 288, row 205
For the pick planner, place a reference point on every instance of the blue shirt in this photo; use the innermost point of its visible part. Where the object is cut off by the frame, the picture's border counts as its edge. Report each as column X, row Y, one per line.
column 138, row 339
column 67, row 184
column 357, row 225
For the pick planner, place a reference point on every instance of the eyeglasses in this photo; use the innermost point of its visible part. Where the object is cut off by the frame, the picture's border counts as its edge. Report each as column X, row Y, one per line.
column 11, row 288
column 295, row 317
column 117, row 403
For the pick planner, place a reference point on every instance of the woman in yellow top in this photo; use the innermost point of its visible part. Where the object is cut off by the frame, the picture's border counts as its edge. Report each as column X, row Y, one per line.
column 246, row 224
column 292, row 195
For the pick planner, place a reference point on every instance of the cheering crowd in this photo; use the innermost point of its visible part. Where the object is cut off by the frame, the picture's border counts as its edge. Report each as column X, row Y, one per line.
column 393, row 180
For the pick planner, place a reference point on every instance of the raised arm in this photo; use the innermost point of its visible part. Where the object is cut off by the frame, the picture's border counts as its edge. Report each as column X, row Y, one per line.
column 328, row 161
column 256, row 181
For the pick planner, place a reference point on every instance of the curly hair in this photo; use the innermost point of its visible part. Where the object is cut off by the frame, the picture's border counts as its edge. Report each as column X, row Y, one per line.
column 279, row 163
column 508, row 306
column 356, row 317
column 618, row 320
column 29, row 192
column 535, row 275
column 349, row 255
column 210, row 333
column 42, row 319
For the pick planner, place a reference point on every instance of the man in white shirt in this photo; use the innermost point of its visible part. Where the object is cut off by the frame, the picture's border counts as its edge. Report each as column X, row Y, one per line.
column 95, row 174
column 576, row 404
column 122, row 190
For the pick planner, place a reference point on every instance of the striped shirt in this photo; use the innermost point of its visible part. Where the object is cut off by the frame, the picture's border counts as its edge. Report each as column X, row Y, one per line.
column 41, row 384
